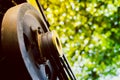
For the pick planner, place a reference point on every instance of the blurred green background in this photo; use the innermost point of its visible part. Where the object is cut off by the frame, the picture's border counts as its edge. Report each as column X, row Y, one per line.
column 90, row 34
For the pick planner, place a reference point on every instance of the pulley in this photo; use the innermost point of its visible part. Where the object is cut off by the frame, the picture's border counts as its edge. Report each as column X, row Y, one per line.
column 19, row 43
column 31, row 50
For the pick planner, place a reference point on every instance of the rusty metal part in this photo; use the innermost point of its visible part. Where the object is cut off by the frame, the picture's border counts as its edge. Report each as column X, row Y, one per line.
column 48, row 42
column 19, row 44
column 29, row 44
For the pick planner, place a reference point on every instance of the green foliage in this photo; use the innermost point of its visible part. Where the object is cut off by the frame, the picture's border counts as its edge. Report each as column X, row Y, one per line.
column 89, row 32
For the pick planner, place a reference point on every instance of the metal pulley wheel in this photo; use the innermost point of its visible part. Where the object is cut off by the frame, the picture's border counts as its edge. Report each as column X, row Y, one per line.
column 31, row 50
column 20, row 27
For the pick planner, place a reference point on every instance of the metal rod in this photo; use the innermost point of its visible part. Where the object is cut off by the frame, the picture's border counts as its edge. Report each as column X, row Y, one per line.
column 67, row 70
column 68, row 66
column 42, row 12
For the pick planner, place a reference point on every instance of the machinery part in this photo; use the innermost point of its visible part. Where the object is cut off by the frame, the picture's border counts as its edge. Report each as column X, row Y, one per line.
column 4, row 6
column 49, row 42
column 42, row 12
column 29, row 44
column 18, row 43
column 50, row 46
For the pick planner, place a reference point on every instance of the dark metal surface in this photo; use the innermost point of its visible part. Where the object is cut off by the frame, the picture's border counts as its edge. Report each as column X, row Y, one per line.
column 42, row 12
column 31, row 50
column 51, row 48
column 4, row 6
column 17, row 41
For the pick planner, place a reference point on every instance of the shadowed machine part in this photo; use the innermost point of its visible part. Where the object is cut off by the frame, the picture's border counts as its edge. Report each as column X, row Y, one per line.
column 31, row 51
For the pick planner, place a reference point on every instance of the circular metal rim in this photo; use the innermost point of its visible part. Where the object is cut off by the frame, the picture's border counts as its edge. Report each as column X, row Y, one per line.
column 14, row 25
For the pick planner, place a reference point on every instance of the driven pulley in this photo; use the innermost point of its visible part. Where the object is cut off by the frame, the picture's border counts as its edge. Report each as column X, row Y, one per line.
column 34, row 51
